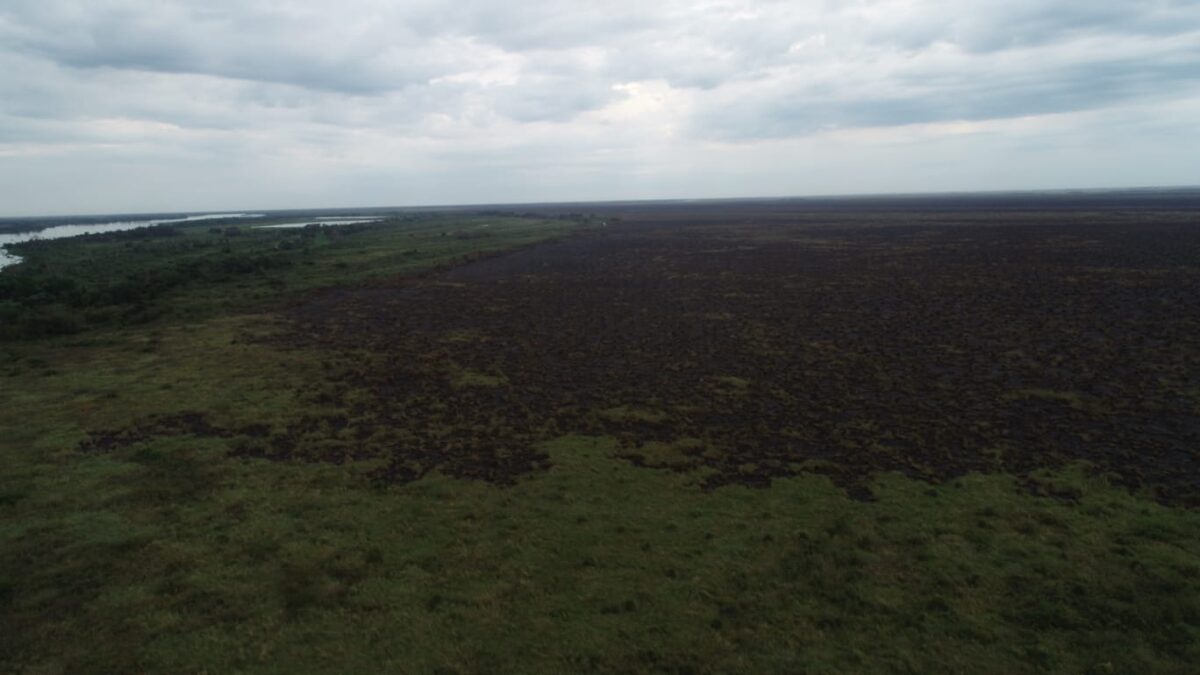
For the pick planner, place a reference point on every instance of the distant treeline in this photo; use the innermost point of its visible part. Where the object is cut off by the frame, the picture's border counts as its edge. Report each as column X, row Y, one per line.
column 42, row 222
column 68, row 285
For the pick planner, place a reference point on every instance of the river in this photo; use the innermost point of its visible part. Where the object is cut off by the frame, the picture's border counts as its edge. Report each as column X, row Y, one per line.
column 61, row 231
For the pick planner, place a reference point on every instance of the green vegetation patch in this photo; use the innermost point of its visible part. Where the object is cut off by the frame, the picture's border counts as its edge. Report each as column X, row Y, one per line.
column 67, row 286
column 627, row 413
column 471, row 378
column 180, row 560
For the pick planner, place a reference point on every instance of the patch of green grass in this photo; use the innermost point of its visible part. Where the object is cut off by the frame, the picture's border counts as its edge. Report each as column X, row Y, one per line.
column 627, row 413
column 731, row 381
column 594, row 565
column 471, row 378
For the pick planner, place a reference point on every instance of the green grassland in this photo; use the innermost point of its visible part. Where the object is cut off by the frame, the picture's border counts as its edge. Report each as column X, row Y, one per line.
column 192, row 271
column 168, row 555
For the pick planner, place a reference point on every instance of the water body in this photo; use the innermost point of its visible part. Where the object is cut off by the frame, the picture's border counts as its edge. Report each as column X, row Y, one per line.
column 328, row 220
column 61, row 231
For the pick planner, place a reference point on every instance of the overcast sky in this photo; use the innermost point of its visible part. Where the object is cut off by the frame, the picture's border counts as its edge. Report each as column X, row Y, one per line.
column 177, row 105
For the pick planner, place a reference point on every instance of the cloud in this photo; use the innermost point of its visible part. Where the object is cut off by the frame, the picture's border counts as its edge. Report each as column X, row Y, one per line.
column 549, row 60
column 314, row 49
column 947, row 83
column 572, row 97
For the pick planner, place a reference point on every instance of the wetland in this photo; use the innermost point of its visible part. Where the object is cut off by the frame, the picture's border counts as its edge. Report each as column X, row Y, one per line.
column 916, row 435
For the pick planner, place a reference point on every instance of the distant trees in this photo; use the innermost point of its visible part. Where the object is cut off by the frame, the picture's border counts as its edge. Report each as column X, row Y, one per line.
column 126, row 274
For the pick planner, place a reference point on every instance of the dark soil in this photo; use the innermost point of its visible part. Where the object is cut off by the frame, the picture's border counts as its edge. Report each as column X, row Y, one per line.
column 742, row 351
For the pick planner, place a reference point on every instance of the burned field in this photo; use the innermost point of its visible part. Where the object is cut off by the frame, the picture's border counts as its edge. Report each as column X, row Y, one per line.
column 740, row 350
column 736, row 437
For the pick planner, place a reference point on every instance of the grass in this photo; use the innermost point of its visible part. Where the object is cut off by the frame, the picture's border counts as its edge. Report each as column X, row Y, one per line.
column 169, row 555
column 194, row 271
column 174, row 559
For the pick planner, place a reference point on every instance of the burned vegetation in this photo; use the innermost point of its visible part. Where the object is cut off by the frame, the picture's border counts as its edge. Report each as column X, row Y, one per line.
column 742, row 351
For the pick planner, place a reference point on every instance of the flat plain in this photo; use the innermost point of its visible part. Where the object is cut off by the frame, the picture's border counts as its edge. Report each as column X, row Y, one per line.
column 717, row 437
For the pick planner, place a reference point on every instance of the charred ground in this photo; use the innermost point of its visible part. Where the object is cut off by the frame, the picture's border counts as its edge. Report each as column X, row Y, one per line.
column 929, row 344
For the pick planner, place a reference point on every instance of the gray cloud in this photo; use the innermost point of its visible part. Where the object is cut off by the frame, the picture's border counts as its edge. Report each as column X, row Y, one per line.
column 225, row 41
column 968, row 87
column 609, row 94
column 375, row 48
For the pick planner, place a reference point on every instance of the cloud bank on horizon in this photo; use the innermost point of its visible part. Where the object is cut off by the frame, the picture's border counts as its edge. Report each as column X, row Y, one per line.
column 143, row 105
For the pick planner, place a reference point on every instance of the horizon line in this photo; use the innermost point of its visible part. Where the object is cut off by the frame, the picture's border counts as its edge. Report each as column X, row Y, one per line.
column 654, row 200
